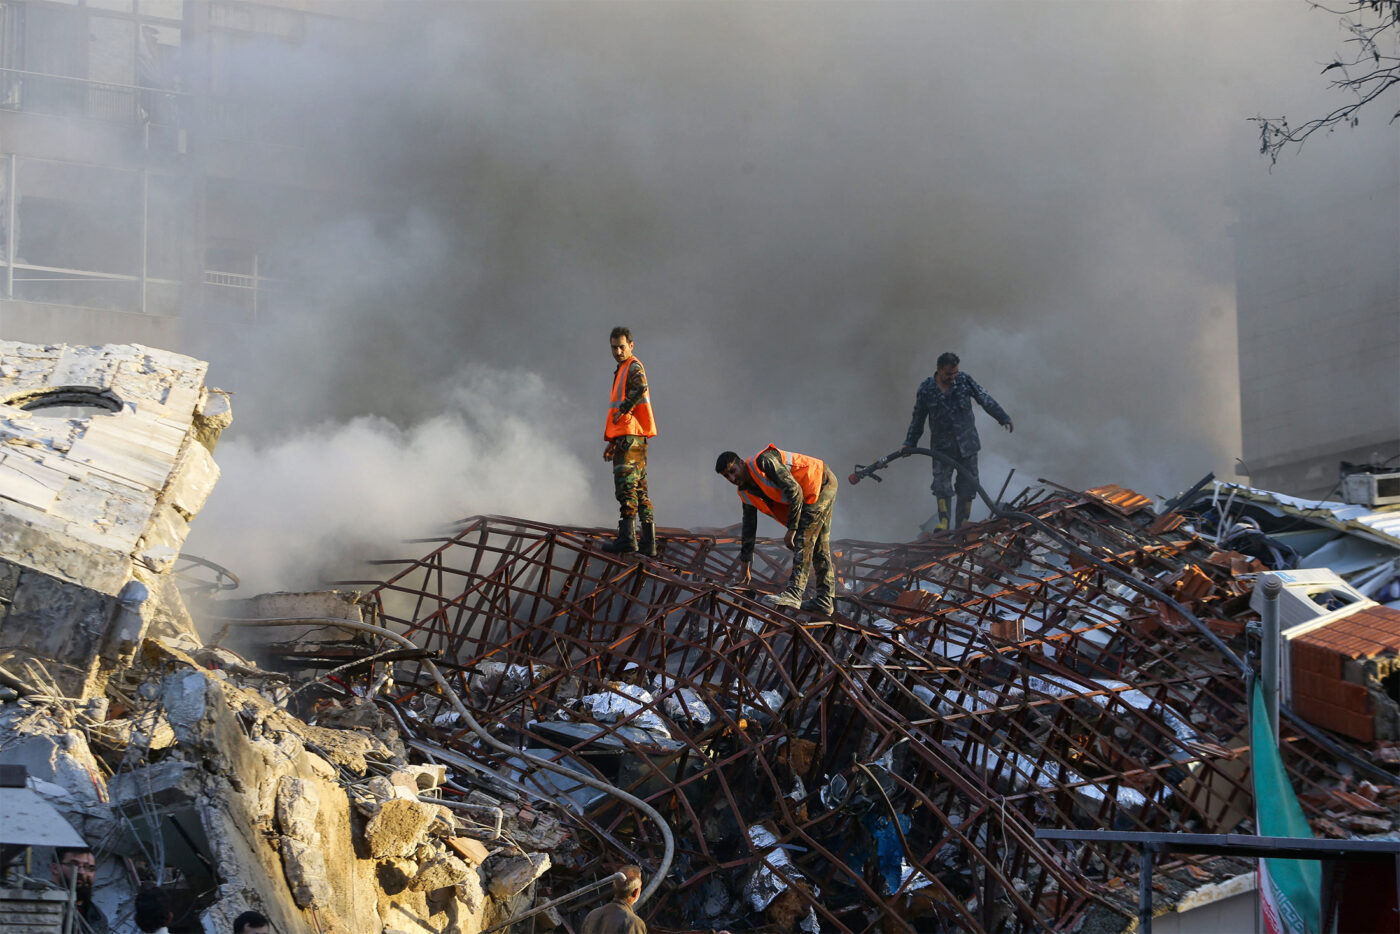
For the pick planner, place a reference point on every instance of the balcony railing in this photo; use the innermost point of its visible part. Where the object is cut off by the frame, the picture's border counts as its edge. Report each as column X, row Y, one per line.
column 65, row 96
column 164, row 113
column 250, row 294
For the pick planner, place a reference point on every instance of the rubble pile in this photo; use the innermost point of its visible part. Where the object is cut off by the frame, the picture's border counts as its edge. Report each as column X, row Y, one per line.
column 480, row 738
column 179, row 763
column 1077, row 664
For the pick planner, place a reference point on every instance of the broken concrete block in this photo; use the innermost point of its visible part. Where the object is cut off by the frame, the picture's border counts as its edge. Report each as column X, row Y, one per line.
column 473, row 851
column 297, row 806
column 148, row 732
column 305, row 867
column 444, row 821
column 212, row 416
column 398, row 827
column 439, row 873
column 374, row 793
column 548, row 920
column 395, row 874
column 510, row 876
column 419, row 778
column 194, row 480
column 470, row 893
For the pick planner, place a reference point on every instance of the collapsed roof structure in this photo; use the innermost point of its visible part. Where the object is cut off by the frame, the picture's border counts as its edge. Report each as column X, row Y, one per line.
column 498, row 721
column 1076, row 663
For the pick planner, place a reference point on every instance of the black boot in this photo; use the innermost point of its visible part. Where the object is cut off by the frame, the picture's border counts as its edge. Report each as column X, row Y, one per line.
column 646, row 543
column 944, row 513
column 820, row 603
column 964, row 512
column 626, row 541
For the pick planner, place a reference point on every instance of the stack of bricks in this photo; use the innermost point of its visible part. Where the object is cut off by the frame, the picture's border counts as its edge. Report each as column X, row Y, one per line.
column 1322, row 693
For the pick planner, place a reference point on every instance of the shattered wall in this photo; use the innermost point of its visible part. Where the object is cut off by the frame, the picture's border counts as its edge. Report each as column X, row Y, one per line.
column 105, row 456
column 185, row 764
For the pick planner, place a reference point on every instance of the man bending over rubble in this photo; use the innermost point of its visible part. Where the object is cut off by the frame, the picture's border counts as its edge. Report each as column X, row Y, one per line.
column 75, row 868
column 945, row 400
column 617, row 916
column 799, row 491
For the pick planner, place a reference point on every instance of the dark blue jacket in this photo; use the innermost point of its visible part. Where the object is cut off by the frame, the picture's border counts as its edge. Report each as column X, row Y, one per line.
column 949, row 416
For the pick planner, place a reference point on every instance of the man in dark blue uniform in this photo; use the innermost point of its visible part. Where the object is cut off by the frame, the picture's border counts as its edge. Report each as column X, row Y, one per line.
column 945, row 400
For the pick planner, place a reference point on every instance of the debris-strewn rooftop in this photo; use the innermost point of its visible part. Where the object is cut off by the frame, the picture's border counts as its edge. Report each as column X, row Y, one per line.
column 509, row 717
column 1058, row 667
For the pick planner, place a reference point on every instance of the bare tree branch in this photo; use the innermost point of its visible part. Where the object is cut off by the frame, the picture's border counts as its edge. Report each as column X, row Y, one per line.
column 1372, row 24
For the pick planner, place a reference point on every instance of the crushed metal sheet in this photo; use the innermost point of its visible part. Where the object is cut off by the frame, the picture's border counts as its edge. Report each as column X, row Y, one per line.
column 970, row 689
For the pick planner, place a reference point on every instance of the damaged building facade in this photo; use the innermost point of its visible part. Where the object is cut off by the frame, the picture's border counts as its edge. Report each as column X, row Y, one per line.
column 178, row 763
column 476, row 738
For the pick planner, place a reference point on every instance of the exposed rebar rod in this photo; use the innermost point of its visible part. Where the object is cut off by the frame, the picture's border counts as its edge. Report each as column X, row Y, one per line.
column 597, row 784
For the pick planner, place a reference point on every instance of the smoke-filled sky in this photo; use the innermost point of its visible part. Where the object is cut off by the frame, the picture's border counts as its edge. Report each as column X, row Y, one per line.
column 796, row 207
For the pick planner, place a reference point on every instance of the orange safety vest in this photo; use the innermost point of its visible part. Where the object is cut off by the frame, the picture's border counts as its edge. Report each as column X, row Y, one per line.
column 807, row 471
column 639, row 421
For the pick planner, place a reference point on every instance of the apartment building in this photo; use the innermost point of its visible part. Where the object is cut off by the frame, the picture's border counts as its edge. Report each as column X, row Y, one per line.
column 1317, row 252
column 147, row 167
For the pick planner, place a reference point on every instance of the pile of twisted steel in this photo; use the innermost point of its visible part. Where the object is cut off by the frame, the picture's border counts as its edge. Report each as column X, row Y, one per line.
column 1078, row 661
column 481, row 736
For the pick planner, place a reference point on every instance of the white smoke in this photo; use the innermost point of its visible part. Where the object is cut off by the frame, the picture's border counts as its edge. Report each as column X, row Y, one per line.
column 290, row 511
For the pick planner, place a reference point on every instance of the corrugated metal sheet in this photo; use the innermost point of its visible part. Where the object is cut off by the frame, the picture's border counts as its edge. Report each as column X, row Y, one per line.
column 1383, row 523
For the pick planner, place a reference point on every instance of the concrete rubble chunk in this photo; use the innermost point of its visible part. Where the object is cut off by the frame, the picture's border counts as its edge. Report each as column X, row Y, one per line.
column 94, row 500
column 297, row 806
column 471, row 894
column 419, row 778
column 398, row 828
column 439, row 873
column 149, row 731
column 511, row 875
column 305, row 866
column 212, row 416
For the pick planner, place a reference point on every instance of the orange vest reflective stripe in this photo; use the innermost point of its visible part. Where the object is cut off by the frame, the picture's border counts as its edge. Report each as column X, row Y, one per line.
column 639, row 421
column 807, row 471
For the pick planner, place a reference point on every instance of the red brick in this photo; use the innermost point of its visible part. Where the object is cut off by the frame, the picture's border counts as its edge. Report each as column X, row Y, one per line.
column 1335, row 718
column 1311, row 684
column 1354, row 698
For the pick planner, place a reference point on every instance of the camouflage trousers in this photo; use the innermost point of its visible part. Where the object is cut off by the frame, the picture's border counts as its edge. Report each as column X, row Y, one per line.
column 630, row 477
column 812, row 553
column 943, row 486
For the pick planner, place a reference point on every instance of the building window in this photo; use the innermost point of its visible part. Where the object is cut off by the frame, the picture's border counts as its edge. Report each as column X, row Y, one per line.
column 72, row 242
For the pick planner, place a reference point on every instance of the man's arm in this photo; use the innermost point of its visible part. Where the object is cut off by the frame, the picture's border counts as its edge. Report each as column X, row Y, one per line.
column 636, row 387
column 748, row 531
column 778, row 474
column 916, row 423
column 989, row 404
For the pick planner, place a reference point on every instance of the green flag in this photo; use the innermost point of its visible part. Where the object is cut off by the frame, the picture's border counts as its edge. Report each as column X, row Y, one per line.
column 1290, row 890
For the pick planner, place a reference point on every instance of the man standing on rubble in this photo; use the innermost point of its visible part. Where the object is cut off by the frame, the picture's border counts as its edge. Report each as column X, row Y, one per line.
column 799, row 491
column 945, row 400
column 617, row 916
column 74, row 869
column 629, row 424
